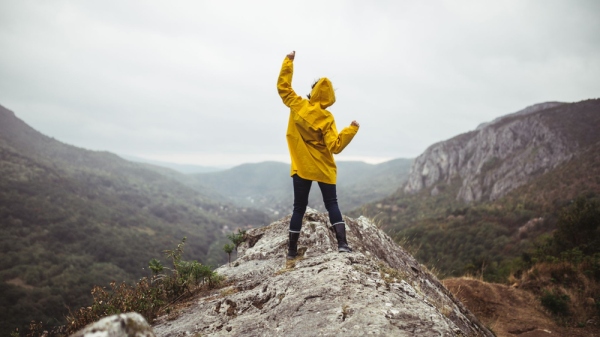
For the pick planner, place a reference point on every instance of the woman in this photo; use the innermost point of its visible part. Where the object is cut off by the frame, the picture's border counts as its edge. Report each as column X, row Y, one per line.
column 312, row 140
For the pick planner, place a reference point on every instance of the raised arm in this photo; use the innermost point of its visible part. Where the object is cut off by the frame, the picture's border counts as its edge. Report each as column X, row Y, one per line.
column 284, row 82
column 337, row 142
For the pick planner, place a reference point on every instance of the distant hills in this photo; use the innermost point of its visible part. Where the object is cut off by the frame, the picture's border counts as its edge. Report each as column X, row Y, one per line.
column 181, row 168
column 477, row 199
column 73, row 218
column 268, row 186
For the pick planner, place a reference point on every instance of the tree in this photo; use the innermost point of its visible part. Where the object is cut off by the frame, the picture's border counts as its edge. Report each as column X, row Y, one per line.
column 175, row 255
column 237, row 238
column 228, row 249
column 577, row 227
column 156, row 268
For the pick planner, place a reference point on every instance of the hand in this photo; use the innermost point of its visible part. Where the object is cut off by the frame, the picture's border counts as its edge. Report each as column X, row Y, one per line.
column 355, row 123
column 291, row 55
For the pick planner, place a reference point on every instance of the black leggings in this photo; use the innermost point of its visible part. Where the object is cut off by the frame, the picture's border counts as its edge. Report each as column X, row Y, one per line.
column 301, row 191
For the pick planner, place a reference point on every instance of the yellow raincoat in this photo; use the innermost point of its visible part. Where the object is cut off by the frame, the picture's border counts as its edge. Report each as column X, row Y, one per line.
column 311, row 135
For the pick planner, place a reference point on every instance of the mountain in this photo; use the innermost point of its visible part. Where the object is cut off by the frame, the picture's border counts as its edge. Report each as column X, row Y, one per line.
column 263, row 185
column 477, row 200
column 508, row 152
column 73, row 218
column 187, row 180
column 377, row 289
column 527, row 110
column 267, row 186
column 181, row 168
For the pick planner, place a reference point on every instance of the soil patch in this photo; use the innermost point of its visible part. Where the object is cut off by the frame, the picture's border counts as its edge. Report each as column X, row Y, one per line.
column 509, row 311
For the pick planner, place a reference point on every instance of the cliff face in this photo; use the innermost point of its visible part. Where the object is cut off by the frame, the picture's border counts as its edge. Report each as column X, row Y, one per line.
column 508, row 152
column 377, row 289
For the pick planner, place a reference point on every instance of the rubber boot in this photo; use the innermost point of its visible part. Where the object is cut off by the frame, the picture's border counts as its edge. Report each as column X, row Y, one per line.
column 293, row 245
column 340, row 234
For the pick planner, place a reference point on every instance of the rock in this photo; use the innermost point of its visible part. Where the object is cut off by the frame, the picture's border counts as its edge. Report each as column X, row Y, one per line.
column 123, row 325
column 378, row 289
column 499, row 156
column 527, row 110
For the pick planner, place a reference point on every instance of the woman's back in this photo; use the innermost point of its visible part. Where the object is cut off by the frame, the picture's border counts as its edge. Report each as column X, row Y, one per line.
column 312, row 135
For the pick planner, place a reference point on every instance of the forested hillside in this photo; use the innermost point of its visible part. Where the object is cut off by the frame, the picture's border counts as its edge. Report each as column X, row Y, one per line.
column 73, row 218
column 524, row 169
column 267, row 186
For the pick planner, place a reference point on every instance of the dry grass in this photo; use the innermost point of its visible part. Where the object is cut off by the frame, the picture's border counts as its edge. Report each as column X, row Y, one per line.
column 417, row 287
column 173, row 315
column 568, row 279
column 408, row 244
column 390, row 275
column 510, row 311
column 478, row 275
column 284, row 270
column 291, row 264
column 361, row 269
column 377, row 222
column 345, row 311
column 229, row 291
column 440, row 304
column 458, row 293
column 433, row 270
column 492, row 325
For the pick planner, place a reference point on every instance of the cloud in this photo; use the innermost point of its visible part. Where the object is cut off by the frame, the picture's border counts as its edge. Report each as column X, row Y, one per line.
column 195, row 81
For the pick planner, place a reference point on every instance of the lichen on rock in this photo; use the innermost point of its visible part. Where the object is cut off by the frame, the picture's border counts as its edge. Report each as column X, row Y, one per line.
column 377, row 289
column 123, row 325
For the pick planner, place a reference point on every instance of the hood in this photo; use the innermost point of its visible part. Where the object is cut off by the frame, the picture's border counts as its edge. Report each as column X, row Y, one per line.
column 323, row 93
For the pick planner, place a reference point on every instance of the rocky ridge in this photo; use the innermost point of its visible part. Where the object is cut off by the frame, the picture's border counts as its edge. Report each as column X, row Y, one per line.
column 506, row 153
column 527, row 110
column 379, row 289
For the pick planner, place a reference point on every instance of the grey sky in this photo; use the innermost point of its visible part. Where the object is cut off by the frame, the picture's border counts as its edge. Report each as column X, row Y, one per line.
column 194, row 82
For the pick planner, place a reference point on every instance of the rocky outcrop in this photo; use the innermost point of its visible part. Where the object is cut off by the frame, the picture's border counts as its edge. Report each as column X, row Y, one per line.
column 497, row 157
column 379, row 289
column 527, row 110
column 123, row 325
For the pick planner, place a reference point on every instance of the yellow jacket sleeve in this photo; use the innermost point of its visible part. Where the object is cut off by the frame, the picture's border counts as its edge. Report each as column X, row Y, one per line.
column 337, row 142
column 284, row 84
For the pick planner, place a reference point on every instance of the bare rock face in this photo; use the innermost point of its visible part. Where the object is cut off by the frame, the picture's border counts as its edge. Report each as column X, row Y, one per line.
column 123, row 325
column 527, row 110
column 496, row 158
column 378, row 289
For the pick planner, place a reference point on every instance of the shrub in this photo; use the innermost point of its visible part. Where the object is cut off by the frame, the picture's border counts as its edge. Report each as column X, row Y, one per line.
column 147, row 297
column 228, row 249
column 141, row 298
column 574, row 256
column 577, row 227
column 155, row 266
column 237, row 238
column 555, row 302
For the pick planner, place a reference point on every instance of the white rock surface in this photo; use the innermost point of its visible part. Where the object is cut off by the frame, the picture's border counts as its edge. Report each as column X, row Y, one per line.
column 123, row 325
column 326, row 293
